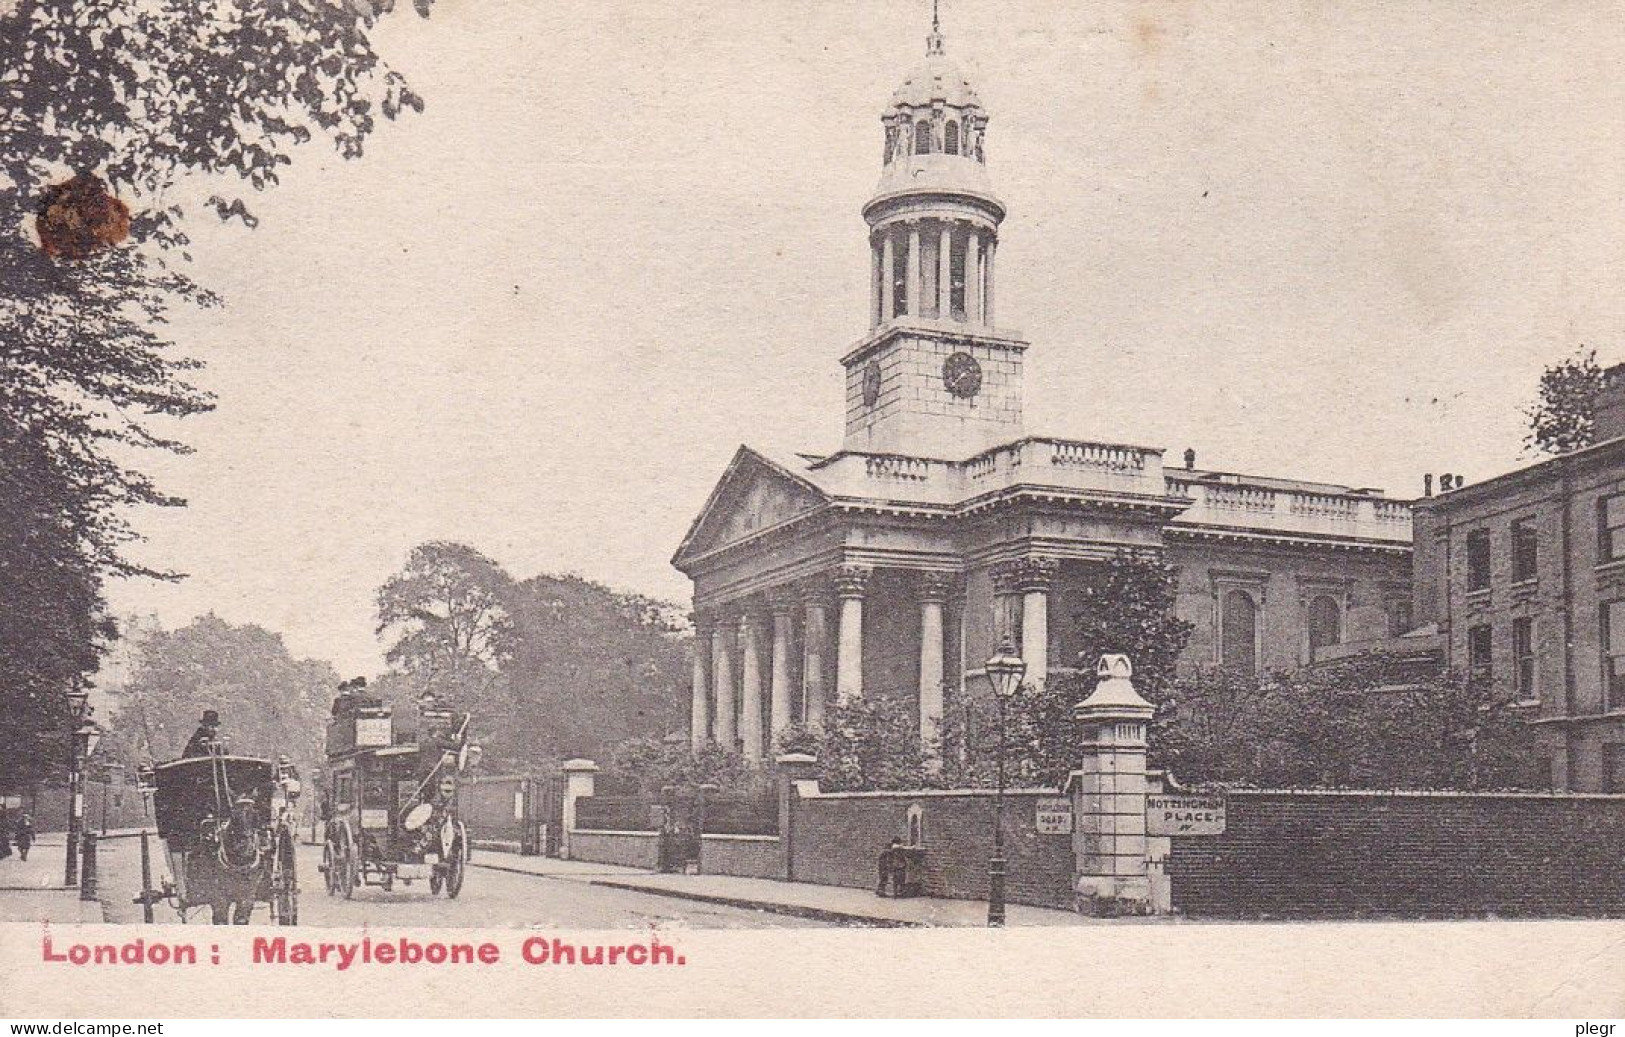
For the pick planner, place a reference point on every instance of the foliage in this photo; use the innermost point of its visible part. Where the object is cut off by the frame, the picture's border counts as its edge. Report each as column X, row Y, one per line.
column 106, row 108
column 1126, row 605
column 1562, row 418
column 651, row 764
column 51, row 609
column 448, row 613
column 269, row 702
column 551, row 667
column 872, row 742
column 1373, row 722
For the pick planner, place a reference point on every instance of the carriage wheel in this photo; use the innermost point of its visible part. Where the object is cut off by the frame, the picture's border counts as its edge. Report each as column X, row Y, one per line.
column 285, row 885
column 349, row 870
column 454, row 869
column 437, row 878
column 330, row 868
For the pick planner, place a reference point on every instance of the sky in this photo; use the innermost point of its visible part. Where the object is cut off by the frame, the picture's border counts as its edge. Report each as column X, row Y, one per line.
column 1331, row 241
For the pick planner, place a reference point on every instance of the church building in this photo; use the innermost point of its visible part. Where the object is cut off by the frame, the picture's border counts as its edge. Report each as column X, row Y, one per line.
column 896, row 564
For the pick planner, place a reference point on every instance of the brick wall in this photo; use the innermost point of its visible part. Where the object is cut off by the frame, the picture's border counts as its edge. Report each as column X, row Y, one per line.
column 750, row 856
column 836, row 839
column 632, row 849
column 1352, row 854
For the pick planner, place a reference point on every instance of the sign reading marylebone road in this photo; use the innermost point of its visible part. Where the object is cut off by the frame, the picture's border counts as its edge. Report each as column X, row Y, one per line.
column 1184, row 815
column 1055, row 815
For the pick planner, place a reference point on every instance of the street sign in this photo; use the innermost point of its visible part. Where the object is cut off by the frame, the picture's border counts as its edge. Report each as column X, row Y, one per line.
column 1054, row 815
column 1184, row 815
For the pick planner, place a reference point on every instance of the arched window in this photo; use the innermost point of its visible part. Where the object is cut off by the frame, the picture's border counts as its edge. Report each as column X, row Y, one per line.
column 1238, row 632
column 922, row 138
column 1325, row 623
column 951, row 138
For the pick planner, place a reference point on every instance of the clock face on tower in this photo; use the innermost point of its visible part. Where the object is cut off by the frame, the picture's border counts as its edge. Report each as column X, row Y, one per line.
column 962, row 375
column 871, row 384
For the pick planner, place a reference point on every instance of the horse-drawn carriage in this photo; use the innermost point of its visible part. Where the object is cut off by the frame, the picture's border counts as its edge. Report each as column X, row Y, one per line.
column 390, row 805
column 227, row 827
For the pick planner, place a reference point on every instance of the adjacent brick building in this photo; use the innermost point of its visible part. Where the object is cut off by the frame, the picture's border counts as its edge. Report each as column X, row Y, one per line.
column 1524, row 576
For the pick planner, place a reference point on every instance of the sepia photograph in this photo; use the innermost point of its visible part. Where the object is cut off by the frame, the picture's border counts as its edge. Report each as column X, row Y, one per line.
column 1118, row 505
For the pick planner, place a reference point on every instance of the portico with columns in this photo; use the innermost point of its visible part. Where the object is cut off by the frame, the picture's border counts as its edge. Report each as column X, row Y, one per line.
column 895, row 564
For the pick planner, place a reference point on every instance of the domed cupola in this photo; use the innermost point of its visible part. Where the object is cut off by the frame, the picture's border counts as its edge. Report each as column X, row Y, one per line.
column 935, row 377
column 934, row 218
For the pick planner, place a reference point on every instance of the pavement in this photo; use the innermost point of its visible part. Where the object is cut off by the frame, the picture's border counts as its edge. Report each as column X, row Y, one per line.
column 839, row 905
column 32, row 890
column 490, row 898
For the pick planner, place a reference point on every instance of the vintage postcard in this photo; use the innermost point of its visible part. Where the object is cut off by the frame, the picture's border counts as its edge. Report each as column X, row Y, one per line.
column 812, row 508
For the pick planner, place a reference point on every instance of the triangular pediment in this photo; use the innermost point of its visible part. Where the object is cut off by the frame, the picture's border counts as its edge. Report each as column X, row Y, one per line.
column 754, row 494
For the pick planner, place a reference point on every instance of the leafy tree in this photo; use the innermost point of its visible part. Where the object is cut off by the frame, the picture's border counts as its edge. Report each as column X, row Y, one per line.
column 270, row 703
column 1126, row 605
column 1373, row 722
column 51, row 609
column 106, row 109
column 447, row 611
column 591, row 667
column 872, row 742
column 1562, row 417
column 551, row 667
column 651, row 764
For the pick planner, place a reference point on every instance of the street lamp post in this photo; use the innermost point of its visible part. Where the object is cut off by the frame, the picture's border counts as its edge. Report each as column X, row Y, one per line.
column 1003, row 672
column 79, row 731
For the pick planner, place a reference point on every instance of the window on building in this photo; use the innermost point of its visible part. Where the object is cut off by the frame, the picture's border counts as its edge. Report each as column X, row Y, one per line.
column 950, row 138
column 1613, row 767
column 1325, row 623
column 1523, row 657
column 1238, row 632
column 1525, row 550
column 1611, row 528
column 1478, row 559
column 1478, row 650
column 1399, row 616
column 1613, row 652
column 922, row 138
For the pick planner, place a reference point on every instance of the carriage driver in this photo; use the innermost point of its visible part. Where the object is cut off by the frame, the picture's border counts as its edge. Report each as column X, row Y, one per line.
column 206, row 739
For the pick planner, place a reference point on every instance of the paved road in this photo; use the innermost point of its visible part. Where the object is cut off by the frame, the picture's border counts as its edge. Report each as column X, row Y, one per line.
column 489, row 898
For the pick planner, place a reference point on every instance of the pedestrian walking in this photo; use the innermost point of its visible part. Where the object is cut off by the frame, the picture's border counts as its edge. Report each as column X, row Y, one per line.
column 5, row 834
column 25, row 835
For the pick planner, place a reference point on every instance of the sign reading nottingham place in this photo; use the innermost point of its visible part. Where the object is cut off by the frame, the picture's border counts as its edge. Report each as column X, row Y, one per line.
column 1184, row 815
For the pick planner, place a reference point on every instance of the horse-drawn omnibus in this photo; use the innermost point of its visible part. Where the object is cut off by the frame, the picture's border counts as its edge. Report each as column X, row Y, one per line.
column 390, row 807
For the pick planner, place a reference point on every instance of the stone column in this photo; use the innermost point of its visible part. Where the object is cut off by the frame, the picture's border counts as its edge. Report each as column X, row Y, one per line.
column 782, row 606
column 1033, row 579
column 850, row 583
column 1004, row 607
column 699, row 719
column 888, row 286
column 973, row 277
column 1108, row 791
column 750, row 689
column 815, row 642
column 722, row 680
column 875, row 282
column 945, row 274
column 915, row 308
column 987, row 278
column 934, row 589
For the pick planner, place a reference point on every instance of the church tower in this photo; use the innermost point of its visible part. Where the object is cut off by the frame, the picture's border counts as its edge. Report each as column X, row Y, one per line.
column 934, row 377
